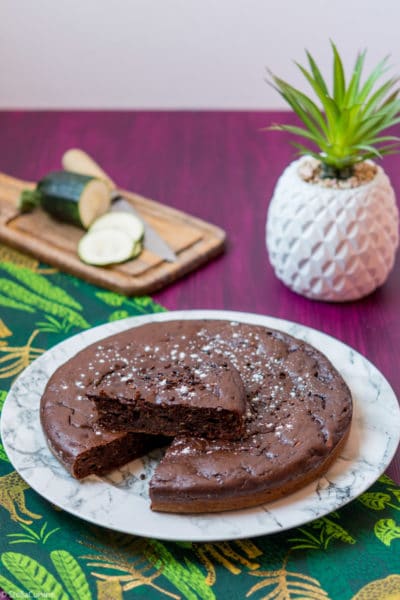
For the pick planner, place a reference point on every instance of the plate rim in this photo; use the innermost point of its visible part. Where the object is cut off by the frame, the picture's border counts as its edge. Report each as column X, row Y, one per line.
column 86, row 337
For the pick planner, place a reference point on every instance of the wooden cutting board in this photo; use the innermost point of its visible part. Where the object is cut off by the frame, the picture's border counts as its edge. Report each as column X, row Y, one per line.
column 194, row 241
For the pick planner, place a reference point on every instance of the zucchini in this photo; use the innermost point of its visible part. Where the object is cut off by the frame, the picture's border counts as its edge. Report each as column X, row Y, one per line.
column 104, row 247
column 70, row 197
column 122, row 221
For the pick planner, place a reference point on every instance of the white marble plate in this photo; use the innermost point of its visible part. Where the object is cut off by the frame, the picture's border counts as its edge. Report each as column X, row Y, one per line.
column 120, row 501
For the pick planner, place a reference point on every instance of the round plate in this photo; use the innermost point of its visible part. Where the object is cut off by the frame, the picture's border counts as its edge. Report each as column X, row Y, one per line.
column 120, row 500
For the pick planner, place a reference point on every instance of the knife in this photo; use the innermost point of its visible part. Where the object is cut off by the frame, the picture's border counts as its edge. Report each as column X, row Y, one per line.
column 78, row 161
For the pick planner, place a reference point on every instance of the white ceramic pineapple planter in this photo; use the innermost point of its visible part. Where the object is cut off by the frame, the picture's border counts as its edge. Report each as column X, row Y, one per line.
column 328, row 243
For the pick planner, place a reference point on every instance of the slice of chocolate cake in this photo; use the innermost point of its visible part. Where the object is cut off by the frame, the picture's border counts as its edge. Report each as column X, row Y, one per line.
column 168, row 393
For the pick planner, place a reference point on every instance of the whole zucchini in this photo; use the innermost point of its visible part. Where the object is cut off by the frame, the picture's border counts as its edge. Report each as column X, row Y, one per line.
column 69, row 197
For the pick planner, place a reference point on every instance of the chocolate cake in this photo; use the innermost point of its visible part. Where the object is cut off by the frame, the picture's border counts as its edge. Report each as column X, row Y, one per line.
column 168, row 393
column 298, row 415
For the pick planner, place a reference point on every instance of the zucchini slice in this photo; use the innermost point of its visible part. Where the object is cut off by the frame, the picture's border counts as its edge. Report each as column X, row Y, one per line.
column 70, row 197
column 123, row 221
column 107, row 246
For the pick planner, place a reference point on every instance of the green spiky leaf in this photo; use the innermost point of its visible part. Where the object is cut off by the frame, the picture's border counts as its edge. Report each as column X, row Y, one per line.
column 339, row 80
column 346, row 127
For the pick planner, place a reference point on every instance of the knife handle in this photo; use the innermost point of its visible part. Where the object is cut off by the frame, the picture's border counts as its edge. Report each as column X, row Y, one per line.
column 78, row 161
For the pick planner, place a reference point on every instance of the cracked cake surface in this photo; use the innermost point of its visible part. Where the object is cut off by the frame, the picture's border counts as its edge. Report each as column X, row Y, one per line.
column 297, row 417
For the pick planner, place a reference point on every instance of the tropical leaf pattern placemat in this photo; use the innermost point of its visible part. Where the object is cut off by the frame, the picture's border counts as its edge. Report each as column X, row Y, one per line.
column 46, row 553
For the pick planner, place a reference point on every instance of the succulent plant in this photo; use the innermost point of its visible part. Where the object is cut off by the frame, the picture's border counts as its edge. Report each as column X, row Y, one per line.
column 348, row 126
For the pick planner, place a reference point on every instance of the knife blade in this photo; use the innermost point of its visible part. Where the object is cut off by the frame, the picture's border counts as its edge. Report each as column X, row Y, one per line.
column 79, row 161
column 152, row 240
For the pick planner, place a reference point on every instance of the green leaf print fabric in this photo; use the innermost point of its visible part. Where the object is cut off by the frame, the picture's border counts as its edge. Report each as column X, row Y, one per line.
column 47, row 553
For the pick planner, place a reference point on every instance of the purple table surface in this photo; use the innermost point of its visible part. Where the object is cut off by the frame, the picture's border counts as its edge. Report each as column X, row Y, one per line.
column 220, row 167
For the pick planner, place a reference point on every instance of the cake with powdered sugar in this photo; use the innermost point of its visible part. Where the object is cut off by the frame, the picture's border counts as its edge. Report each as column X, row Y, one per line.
column 297, row 412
